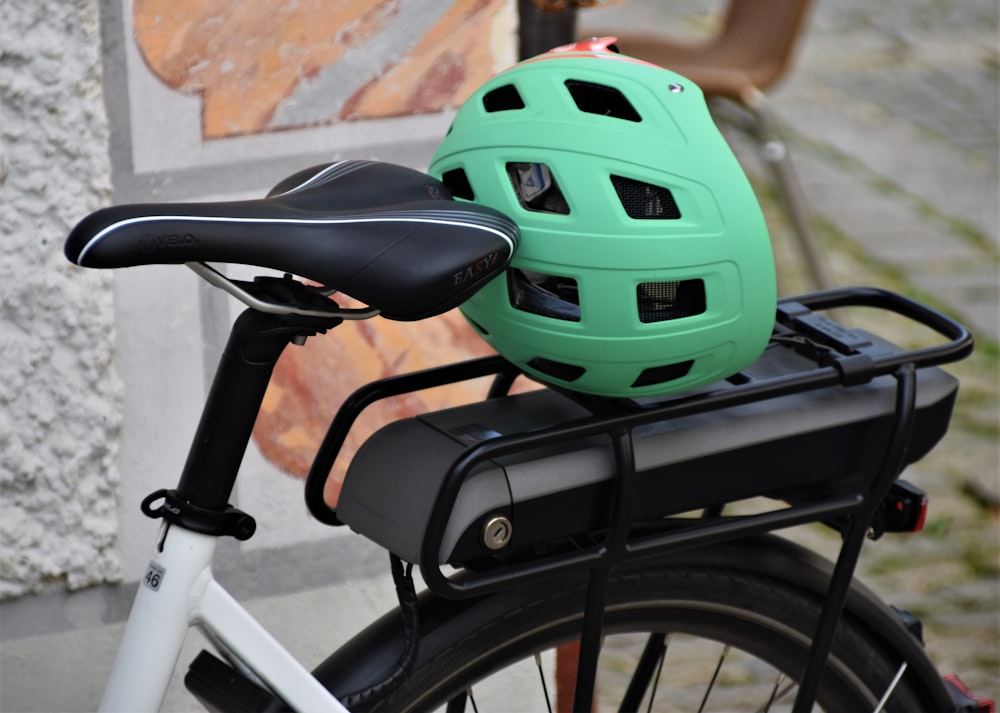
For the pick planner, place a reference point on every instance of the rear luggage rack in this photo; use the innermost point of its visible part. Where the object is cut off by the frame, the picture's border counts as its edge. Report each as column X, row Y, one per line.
column 628, row 505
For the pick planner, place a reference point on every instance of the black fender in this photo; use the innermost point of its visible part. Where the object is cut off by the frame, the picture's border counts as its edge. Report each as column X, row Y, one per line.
column 373, row 653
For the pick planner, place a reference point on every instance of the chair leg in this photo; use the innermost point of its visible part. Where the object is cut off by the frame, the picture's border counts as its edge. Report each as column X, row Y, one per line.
column 776, row 154
column 540, row 31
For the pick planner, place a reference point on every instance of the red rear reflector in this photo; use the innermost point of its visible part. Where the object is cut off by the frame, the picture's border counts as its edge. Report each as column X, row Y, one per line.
column 923, row 515
column 962, row 696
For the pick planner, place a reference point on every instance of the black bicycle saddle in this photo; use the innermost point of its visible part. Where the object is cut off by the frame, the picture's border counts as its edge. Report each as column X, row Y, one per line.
column 387, row 235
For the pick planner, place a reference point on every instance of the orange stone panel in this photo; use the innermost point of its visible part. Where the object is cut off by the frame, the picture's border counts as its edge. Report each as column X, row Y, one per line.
column 245, row 58
column 444, row 68
column 310, row 383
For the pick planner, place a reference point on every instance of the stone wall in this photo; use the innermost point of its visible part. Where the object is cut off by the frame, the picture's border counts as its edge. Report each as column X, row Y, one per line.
column 60, row 400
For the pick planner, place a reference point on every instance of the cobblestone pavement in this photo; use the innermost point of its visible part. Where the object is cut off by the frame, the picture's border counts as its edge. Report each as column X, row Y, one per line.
column 891, row 114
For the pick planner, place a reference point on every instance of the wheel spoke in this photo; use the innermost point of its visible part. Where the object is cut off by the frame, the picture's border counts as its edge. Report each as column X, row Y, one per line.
column 652, row 655
column 659, row 670
column 715, row 676
column 777, row 693
column 541, row 675
column 891, row 688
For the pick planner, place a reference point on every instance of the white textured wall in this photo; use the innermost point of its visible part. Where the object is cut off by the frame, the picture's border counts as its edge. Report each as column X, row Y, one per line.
column 59, row 394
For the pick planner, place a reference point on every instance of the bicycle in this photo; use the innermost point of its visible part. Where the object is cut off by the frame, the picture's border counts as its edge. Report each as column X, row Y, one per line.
column 544, row 517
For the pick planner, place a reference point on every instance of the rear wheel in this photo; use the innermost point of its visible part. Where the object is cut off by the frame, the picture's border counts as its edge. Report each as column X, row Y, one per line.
column 680, row 638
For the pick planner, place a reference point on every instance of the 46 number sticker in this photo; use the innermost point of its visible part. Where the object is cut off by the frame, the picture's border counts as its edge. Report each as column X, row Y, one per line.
column 154, row 576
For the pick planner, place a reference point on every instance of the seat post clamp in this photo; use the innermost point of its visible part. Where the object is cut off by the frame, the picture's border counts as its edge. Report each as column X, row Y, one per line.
column 218, row 523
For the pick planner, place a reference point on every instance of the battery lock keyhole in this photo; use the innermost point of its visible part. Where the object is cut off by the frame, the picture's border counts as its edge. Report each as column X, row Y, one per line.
column 497, row 532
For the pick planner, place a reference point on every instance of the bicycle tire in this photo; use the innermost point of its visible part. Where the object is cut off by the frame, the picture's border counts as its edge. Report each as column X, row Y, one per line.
column 716, row 593
column 732, row 607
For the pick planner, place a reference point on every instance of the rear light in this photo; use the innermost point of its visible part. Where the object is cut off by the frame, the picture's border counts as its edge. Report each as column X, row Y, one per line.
column 904, row 509
column 964, row 700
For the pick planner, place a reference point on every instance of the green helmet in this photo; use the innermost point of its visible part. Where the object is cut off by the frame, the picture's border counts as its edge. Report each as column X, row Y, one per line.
column 644, row 266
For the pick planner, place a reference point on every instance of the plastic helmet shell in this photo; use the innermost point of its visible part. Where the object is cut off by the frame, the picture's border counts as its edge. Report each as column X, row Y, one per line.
column 645, row 265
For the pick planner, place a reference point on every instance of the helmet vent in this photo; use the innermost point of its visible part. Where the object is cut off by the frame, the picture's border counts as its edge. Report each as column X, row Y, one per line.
column 601, row 99
column 663, row 301
column 662, row 374
column 557, row 369
column 545, row 295
column 505, row 98
column 458, row 183
column 536, row 188
column 645, row 201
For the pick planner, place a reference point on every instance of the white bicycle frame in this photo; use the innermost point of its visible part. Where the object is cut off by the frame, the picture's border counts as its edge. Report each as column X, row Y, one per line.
column 177, row 592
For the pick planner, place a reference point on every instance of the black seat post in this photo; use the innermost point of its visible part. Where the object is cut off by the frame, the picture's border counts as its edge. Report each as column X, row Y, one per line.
column 255, row 343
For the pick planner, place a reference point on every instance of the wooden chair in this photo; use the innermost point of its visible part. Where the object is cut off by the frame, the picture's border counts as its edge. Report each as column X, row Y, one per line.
column 751, row 51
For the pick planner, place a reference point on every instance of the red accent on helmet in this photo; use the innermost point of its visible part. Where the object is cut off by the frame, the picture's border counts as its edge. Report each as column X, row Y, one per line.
column 594, row 44
column 596, row 47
